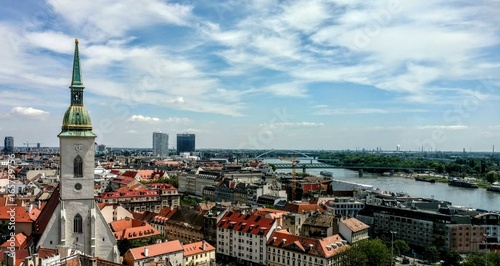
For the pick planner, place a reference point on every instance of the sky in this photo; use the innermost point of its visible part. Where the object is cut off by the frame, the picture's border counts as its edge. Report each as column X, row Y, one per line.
column 303, row 74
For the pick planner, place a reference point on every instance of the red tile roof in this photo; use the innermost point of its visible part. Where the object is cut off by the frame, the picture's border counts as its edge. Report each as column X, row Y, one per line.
column 247, row 223
column 132, row 229
column 157, row 249
column 20, row 214
column 301, row 207
column 197, row 248
column 20, row 256
column 20, row 242
column 325, row 247
column 46, row 252
column 129, row 194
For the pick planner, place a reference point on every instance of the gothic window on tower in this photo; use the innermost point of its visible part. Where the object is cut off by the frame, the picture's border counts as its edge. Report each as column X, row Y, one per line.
column 77, row 224
column 78, row 166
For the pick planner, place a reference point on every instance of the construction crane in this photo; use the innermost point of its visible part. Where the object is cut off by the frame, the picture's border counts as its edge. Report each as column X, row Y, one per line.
column 294, row 162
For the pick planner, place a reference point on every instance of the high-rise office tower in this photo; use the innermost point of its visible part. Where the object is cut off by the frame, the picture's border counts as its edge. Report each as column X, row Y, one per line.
column 185, row 143
column 160, row 144
column 8, row 145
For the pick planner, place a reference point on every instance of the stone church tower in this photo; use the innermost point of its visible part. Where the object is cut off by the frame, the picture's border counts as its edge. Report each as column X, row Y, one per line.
column 77, row 222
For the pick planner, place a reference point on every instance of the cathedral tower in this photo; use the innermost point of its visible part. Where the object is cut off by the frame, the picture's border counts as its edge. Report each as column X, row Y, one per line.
column 77, row 222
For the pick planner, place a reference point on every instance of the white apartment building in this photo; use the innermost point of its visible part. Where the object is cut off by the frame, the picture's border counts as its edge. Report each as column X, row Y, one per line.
column 243, row 237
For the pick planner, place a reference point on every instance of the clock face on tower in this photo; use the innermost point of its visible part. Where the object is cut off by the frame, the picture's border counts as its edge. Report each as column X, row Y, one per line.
column 78, row 186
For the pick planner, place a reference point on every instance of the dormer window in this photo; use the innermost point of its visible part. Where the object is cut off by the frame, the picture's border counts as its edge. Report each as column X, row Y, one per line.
column 78, row 166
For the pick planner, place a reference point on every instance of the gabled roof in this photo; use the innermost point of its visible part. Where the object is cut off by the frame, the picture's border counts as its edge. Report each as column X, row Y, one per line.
column 47, row 212
column 132, row 229
column 197, row 248
column 354, row 224
column 156, row 249
column 325, row 247
column 252, row 224
column 21, row 215
column 20, row 241
column 301, row 207
column 187, row 217
column 20, row 255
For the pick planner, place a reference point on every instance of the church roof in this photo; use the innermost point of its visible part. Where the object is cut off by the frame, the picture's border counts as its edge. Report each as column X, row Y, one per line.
column 47, row 211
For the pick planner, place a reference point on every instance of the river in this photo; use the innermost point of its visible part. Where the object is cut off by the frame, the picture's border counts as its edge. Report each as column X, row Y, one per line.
column 475, row 198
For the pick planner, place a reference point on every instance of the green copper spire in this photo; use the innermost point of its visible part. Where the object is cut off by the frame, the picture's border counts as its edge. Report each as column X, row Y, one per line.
column 77, row 73
column 76, row 121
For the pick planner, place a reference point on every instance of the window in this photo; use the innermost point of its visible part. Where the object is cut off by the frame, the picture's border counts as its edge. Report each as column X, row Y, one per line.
column 77, row 224
column 78, row 166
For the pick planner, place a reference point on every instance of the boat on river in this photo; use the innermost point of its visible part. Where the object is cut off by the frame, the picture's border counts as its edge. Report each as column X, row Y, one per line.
column 326, row 173
column 430, row 180
column 462, row 183
column 494, row 188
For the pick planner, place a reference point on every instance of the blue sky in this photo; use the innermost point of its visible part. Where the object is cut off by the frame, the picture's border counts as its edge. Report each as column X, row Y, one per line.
column 257, row 74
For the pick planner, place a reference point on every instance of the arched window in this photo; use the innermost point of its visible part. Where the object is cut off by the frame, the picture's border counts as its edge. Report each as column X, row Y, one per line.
column 77, row 224
column 78, row 166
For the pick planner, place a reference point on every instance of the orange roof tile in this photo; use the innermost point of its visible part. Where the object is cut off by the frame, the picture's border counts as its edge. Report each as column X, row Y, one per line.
column 157, row 249
column 325, row 247
column 248, row 223
column 20, row 214
column 300, row 207
column 197, row 248
column 19, row 241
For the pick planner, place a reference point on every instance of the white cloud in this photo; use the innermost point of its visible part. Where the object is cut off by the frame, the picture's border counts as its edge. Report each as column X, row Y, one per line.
column 28, row 111
column 296, row 124
column 178, row 120
column 103, row 18
column 321, row 110
column 452, row 127
column 141, row 118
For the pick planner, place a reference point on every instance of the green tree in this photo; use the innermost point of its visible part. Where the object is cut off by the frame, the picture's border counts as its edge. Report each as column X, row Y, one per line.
column 123, row 246
column 372, row 251
column 491, row 176
column 431, row 253
column 451, row 258
column 400, row 247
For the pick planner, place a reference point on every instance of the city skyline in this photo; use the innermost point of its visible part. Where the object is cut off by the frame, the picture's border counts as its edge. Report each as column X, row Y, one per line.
column 314, row 75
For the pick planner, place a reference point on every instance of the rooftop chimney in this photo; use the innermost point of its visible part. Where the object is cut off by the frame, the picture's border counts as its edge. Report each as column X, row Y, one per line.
column 203, row 245
column 146, row 252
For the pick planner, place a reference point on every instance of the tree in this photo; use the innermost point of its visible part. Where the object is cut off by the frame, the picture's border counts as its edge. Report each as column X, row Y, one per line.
column 491, row 176
column 431, row 253
column 451, row 258
column 372, row 251
column 123, row 246
column 400, row 247
column 478, row 259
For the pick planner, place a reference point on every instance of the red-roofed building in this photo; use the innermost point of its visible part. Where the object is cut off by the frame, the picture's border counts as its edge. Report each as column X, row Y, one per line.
column 199, row 253
column 154, row 198
column 23, row 218
column 243, row 237
column 161, row 219
column 132, row 229
column 287, row 249
column 171, row 251
column 19, row 241
column 10, row 260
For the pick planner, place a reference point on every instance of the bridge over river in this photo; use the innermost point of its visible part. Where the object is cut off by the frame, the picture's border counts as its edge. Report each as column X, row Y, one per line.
column 360, row 168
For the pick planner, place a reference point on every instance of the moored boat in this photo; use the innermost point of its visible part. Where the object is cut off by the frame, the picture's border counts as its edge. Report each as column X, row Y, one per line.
column 462, row 183
column 494, row 188
column 430, row 180
column 326, row 173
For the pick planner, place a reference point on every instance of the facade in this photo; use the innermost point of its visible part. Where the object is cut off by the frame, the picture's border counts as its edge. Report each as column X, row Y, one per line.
column 284, row 248
column 199, row 253
column 166, row 253
column 243, row 237
column 319, row 225
column 193, row 183
column 72, row 217
column 160, row 144
column 344, row 206
column 186, row 143
column 353, row 230
column 185, row 225
column 8, row 145
column 154, row 199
